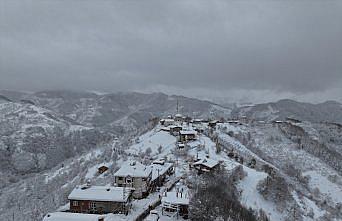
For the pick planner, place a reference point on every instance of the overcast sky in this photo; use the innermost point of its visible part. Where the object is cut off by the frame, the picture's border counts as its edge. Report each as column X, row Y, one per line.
column 240, row 50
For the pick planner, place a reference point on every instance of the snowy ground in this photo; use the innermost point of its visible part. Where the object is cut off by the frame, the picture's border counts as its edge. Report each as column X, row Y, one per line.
column 162, row 144
column 325, row 186
column 250, row 197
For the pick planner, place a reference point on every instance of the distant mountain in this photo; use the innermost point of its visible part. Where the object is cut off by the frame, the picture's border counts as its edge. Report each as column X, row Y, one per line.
column 40, row 130
column 12, row 95
column 330, row 111
column 121, row 111
column 4, row 99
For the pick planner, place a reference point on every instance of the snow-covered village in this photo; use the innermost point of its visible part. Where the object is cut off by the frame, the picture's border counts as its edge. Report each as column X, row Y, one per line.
column 158, row 173
column 181, row 165
column 182, row 110
column 178, row 166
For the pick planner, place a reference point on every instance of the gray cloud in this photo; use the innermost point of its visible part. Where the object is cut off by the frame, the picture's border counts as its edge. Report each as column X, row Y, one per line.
column 287, row 47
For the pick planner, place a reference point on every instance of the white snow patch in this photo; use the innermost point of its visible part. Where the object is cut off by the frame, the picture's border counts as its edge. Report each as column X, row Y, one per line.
column 325, row 186
column 250, row 196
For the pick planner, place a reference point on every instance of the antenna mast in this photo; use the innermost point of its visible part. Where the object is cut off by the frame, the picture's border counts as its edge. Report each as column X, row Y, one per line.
column 177, row 106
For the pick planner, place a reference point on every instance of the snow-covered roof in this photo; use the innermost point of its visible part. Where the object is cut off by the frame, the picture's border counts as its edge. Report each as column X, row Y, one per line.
column 100, row 193
column 178, row 115
column 158, row 169
column 181, row 145
column 176, row 198
column 165, row 128
column 210, row 163
column 64, row 216
column 233, row 121
column 214, row 121
column 188, row 132
column 168, row 120
column 175, row 126
column 133, row 169
column 159, row 161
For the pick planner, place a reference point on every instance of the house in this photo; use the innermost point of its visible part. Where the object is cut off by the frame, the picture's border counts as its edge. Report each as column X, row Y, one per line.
column 175, row 129
column 187, row 119
column 65, row 216
column 159, row 173
column 167, row 122
column 176, row 202
column 102, row 169
column 100, row 199
column 179, row 117
column 187, row 135
column 166, row 129
column 205, row 165
column 153, row 216
column 180, row 146
column 134, row 175
column 197, row 121
column 213, row 123
column 199, row 128
column 160, row 161
column 234, row 122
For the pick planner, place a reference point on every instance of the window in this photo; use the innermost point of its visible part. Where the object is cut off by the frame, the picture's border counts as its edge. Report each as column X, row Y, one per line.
column 93, row 206
column 75, row 203
column 120, row 178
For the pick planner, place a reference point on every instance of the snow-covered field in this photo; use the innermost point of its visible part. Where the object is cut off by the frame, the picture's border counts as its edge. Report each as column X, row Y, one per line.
column 325, row 186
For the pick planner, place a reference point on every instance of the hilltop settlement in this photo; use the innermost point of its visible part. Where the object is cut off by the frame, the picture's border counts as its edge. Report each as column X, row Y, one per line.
column 161, row 175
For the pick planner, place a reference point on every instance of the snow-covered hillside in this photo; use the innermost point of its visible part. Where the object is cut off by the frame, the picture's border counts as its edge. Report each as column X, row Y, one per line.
column 119, row 112
column 329, row 111
column 52, row 141
column 33, row 139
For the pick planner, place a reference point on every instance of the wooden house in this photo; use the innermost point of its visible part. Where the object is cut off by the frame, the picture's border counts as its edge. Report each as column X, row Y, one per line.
column 167, row 122
column 213, row 123
column 176, row 202
column 206, row 165
column 159, row 174
column 134, row 175
column 198, row 128
column 100, row 199
column 179, row 118
column 166, row 129
column 102, row 169
column 197, row 121
column 175, row 129
column 187, row 135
